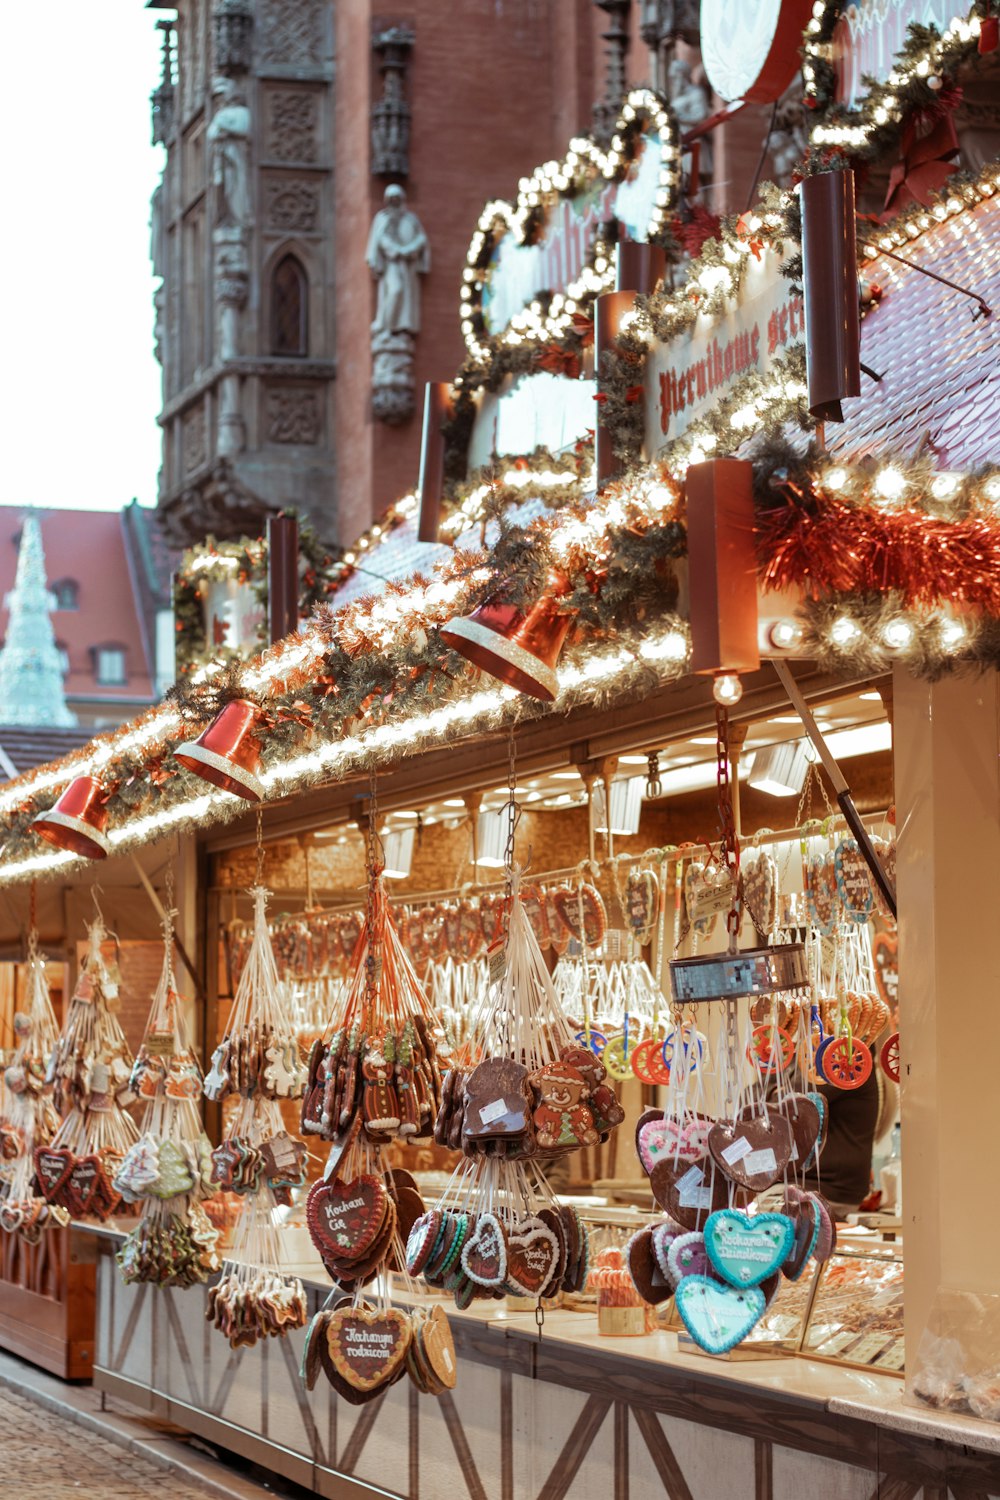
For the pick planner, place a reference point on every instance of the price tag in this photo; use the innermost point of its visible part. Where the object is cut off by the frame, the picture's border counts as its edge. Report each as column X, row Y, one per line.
column 494, row 1111
column 760, row 1161
column 740, row 1147
column 691, row 1190
column 870, row 1347
column 836, row 1344
column 893, row 1357
column 497, row 959
column 160, row 1044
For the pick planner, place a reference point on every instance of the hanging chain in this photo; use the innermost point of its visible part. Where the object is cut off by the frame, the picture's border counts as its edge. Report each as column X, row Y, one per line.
column 513, row 811
column 729, row 846
column 33, row 922
column 260, row 846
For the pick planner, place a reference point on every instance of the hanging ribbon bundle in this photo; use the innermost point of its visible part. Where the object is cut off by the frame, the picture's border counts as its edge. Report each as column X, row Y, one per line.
column 91, row 1067
column 29, row 1117
column 169, row 1169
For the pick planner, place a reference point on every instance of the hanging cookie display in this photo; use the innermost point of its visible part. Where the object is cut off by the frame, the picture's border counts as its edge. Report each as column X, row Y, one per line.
column 90, row 1069
column 257, row 1064
column 169, row 1168
column 29, row 1119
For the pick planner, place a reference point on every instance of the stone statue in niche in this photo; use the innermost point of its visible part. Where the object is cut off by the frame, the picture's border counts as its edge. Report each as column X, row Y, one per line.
column 228, row 137
column 691, row 102
column 789, row 136
column 398, row 255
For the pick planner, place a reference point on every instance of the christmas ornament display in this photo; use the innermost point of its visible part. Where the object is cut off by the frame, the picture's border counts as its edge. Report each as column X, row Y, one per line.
column 90, row 1069
column 257, row 1062
column 516, row 647
column 169, row 1168
column 29, row 1118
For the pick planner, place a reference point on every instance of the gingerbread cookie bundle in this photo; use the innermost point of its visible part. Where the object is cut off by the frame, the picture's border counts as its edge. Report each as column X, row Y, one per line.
column 168, row 1169
column 363, row 1349
column 90, row 1069
column 379, row 1062
column 503, row 1252
column 257, row 1062
column 722, row 1265
column 29, row 1118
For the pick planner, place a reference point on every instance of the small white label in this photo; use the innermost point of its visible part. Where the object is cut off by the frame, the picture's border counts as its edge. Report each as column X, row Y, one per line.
column 741, row 1147
column 498, row 964
column 693, row 1177
column 491, row 1112
column 760, row 1161
column 794, row 1156
column 699, row 1197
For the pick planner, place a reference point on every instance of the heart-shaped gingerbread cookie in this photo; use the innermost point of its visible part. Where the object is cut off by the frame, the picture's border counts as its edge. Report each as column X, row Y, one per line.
column 345, row 1218
column 752, row 1153
column 645, row 1270
column 532, row 1257
column 484, row 1254
column 745, row 1249
column 689, row 1191
column 718, row 1317
column 367, row 1347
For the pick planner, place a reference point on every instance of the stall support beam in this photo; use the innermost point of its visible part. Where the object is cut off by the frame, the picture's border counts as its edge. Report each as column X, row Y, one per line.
column 947, row 783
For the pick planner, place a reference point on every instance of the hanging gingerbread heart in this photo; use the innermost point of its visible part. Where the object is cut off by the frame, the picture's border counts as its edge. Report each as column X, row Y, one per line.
column 642, row 900
column 885, row 946
column 854, row 882
column 745, row 1250
column 689, row 1191
column 368, row 1347
column 570, row 902
column 821, row 892
column 484, row 1255
column 753, row 1152
column 532, row 1256
column 644, row 1268
column 718, row 1317
column 760, row 885
column 345, row 1218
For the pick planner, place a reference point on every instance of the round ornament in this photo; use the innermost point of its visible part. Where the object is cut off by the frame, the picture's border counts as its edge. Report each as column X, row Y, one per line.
column 889, row 1057
column 846, row 1063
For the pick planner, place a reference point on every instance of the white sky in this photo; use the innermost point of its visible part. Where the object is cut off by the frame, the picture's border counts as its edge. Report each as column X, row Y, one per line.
column 79, row 387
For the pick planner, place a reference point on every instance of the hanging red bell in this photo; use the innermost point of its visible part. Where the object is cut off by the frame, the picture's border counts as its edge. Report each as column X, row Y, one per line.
column 516, row 647
column 78, row 820
column 227, row 753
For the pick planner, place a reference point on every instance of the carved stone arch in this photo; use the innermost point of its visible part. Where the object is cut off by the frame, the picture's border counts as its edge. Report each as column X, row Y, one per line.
column 292, row 313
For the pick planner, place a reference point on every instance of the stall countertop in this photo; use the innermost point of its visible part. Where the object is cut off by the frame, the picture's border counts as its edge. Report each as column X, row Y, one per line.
column 863, row 1395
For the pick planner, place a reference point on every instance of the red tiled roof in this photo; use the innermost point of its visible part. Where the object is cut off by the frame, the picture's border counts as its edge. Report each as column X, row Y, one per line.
column 27, row 748
column 86, row 546
column 941, row 370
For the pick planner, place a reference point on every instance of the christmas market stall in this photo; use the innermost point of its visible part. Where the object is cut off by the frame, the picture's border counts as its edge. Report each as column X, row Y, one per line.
column 573, row 993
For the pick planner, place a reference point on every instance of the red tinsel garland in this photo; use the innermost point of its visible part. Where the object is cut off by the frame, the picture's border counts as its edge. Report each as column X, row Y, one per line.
column 826, row 546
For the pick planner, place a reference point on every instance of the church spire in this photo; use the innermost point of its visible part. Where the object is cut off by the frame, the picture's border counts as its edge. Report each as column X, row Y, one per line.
column 31, row 677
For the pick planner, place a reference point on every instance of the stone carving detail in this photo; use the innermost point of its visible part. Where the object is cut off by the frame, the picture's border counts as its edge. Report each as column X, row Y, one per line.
column 232, row 28
column 292, row 206
column 691, row 102
column 218, row 503
column 291, row 126
column 292, row 416
column 398, row 255
column 290, row 31
column 228, row 137
column 391, row 113
column 194, row 450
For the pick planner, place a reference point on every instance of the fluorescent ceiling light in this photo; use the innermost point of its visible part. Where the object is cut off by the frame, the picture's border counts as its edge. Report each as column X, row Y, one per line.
column 626, row 806
column 398, row 847
column 780, row 770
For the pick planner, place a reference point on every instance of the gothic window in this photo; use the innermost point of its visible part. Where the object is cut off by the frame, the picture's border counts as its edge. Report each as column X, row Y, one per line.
column 109, row 666
column 67, row 593
column 289, row 307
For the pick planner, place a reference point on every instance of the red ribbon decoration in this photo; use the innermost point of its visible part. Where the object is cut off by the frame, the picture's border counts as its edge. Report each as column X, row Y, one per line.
column 927, row 160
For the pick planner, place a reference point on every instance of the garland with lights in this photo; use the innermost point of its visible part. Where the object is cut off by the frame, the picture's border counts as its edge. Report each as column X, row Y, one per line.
column 244, row 562
column 377, row 665
column 922, row 72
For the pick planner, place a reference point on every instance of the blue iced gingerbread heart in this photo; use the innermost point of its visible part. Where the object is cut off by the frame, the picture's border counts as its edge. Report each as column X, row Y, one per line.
column 746, row 1251
column 820, row 1142
column 718, row 1317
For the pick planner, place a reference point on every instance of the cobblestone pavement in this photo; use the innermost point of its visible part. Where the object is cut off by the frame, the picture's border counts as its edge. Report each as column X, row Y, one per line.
column 44, row 1456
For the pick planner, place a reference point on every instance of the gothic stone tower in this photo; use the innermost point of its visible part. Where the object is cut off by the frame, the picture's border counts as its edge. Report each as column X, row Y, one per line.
column 244, row 305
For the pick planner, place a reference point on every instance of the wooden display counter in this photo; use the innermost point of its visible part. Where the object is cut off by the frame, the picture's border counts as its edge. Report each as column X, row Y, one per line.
column 569, row 1414
column 47, row 1301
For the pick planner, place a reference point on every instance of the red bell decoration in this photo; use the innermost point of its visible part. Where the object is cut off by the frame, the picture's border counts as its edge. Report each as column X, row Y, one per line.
column 515, row 647
column 78, row 820
column 227, row 753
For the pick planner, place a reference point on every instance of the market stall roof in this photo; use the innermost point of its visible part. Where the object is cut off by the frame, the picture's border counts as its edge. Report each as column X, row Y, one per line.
column 940, row 386
column 22, row 747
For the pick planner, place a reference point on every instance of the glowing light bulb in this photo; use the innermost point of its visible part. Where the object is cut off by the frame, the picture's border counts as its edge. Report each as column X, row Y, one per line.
column 727, row 689
column 898, row 634
column 890, row 483
column 844, row 632
column 952, row 634
column 946, row 486
column 835, row 479
column 785, row 635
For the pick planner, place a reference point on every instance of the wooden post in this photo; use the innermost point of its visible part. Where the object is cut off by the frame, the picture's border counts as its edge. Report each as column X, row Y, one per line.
column 282, row 576
column 947, row 774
